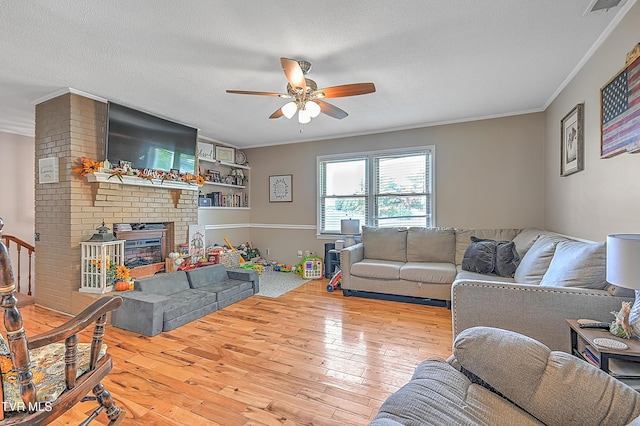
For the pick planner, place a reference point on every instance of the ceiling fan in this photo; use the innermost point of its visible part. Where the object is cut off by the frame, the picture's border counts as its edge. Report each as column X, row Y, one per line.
column 306, row 98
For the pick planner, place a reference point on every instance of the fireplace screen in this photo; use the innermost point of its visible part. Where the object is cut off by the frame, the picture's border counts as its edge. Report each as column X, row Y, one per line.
column 142, row 252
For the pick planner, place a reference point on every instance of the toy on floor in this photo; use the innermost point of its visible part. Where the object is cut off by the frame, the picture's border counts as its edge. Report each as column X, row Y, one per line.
column 335, row 282
column 255, row 266
column 310, row 268
column 281, row 267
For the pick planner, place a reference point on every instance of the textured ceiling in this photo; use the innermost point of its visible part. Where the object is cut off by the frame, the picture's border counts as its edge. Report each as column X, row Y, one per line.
column 432, row 61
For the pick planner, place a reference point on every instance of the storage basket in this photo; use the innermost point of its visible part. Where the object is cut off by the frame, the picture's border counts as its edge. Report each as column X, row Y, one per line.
column 230, row 259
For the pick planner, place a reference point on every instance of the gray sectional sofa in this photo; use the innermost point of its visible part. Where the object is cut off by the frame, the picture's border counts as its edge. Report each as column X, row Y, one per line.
column 166, row 301
column 555, row 277
column 497, row 377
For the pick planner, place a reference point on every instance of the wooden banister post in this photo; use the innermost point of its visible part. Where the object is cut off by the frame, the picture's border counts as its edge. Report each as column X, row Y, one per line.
column 15, row 331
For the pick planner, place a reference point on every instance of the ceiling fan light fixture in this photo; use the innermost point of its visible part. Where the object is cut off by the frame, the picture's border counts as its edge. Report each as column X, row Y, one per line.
column 289, row 109
column 312, row 108
column 304, row 117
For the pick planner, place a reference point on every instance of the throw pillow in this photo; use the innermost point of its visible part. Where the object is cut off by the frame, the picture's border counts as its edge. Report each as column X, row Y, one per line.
column 480, row 256
column 507, row 259
column 535, row 263
column 525, row 239
column 577, row 264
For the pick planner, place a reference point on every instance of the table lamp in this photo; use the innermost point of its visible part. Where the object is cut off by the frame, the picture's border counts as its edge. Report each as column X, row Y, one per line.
column 349, row 228
column 623, row 269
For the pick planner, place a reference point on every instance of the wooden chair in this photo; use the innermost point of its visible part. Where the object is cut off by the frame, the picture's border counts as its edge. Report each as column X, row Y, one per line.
column 80, row 367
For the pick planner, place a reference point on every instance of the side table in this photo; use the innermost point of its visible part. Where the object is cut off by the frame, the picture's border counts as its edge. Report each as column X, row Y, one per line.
column 627, row 369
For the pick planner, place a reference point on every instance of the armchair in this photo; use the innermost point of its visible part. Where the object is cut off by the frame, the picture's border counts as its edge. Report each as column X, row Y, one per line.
column 45, row 375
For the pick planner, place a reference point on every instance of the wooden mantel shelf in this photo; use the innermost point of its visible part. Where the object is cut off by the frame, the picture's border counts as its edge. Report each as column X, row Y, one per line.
column 134, row 180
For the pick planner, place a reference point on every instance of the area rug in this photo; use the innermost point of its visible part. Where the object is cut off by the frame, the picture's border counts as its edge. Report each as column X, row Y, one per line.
column 275, row 284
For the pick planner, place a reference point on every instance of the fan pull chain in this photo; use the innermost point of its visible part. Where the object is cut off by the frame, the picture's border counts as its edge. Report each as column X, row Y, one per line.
column 301, row 128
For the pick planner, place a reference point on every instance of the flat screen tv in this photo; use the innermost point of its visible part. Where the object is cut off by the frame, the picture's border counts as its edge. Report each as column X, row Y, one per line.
column 149, row 142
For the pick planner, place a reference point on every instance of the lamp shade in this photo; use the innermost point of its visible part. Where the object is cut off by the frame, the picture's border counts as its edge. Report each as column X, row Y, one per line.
column 623, row 260
column 350, row 226
column 289, row 109
column 303, row 116
column 313, row 109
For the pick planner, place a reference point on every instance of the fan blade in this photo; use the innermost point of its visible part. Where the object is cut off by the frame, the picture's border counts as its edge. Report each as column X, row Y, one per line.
column 247, row 92
column 277, row 113
column 294, row 73
column 346, row 90
column 331, row 110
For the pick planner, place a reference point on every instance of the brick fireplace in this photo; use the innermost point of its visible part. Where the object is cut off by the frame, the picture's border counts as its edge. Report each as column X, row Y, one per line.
column 70, row 127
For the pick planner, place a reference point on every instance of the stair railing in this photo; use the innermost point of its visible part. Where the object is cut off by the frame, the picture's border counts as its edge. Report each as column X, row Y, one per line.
column 20, row 244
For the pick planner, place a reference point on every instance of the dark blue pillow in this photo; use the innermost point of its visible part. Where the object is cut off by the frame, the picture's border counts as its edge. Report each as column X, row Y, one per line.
column 489, row 256
column 480, row 256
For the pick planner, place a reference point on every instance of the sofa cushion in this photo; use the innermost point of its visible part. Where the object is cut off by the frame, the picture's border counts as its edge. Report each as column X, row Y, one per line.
column 381, row 269
column 577, row 264
column 207, row 275
column 535, row 263
column 525, row 239
column 463, row 237
column 385, row 243
column 428, row 272
column 441, row 395
column 474, row 276
column 431, row 244
column 480, row 256
column 551, row 386
column 187, row 301
column 163, row 284
column 47, row 363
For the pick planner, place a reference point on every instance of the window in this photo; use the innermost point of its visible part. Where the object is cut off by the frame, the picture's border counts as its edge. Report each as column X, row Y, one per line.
column 382, row 188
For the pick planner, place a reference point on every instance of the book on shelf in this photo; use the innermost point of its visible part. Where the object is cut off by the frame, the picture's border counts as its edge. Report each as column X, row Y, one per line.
column 239, row 199
column 592, row 355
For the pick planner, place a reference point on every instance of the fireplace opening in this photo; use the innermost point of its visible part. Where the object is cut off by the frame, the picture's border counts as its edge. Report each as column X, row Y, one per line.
column 146, row 246
column 142, row 252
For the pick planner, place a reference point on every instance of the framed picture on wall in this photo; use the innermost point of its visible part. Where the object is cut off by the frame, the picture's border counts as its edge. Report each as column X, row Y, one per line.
column 572, row 141
column 225, row 154
column 280, row 188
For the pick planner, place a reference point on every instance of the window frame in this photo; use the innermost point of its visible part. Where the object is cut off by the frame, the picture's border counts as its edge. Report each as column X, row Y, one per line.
column 370, row 184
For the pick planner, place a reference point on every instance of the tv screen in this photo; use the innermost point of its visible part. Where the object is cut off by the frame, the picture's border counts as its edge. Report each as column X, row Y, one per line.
column 149, row 142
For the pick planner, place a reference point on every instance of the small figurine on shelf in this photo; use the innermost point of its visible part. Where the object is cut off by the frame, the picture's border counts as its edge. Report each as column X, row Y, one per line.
column 621, row 326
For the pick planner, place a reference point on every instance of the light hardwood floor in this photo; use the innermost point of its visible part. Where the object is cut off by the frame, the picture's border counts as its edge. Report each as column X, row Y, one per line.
column 308, row 357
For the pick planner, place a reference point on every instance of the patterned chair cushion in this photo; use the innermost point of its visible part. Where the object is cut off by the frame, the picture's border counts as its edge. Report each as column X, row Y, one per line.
column 47, row 367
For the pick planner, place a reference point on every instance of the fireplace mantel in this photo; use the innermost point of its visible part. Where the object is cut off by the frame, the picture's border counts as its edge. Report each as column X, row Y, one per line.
column 134, row 180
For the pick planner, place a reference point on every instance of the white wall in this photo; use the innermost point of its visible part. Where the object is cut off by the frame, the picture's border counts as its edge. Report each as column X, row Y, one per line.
column 605, row 197
column 17, row 157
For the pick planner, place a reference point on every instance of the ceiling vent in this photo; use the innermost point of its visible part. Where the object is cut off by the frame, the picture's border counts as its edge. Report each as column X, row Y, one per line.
column 598, row 5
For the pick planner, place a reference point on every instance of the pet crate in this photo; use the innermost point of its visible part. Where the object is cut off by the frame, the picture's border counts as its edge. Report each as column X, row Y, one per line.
column 99, row 263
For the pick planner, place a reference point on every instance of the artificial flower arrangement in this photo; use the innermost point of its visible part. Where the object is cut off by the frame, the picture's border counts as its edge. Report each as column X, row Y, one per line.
column 88, row 166
column 118, row 276
column 123, row 274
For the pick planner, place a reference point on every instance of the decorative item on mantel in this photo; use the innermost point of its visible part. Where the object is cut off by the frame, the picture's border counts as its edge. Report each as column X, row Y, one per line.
column 102, row 255
column 92, row 170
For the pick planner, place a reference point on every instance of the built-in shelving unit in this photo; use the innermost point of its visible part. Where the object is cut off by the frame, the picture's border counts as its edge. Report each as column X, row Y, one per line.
column 224, row 195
